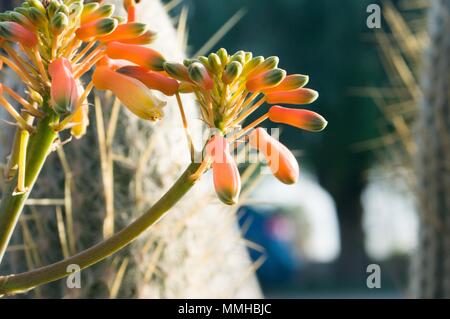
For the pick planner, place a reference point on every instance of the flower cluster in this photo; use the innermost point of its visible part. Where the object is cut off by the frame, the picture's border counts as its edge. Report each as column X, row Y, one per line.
column 229, row 88
column 51, row 44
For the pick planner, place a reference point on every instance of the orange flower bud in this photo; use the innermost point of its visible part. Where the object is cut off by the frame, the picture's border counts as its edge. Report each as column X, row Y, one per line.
column 298, row 96
column 280, row 160
column 13, row 31
column 96, row 28
column 300, row 118
column 133, row 93
column 227, row 181
column 64, row 90
column 143, row 56
column 177, row 71
column 125, row 32
column 152, row 80
column 291, row 82
column 265, row 80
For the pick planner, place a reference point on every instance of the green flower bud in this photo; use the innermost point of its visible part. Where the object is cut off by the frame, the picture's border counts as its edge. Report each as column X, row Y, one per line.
column 38, row 5
column 177, row 71
column 232, row 71
column 215, row 63
column 223, row 55
column 59, row 22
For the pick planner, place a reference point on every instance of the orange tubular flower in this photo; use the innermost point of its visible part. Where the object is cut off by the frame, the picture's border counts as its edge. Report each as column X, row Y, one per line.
column 125, row 32
column 133, row 93
column 227, row 181
column 152, row 80
column 143, row 56
column 281, row 161
column 300, row 118
column 298, row 96
column 13, row 31
column 64, row 90
column 291, row 82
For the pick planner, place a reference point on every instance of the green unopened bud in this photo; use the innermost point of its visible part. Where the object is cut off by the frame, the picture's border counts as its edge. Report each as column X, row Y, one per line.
column 22, row 10
column 215, row 63
column 64, row 9
column 90, row 7
column 105, row 10
column 188, row 62
column 52, row 8
column 204, row 60
column 59, row 22
column 20, row 18
column 232, row 71
column 177, row 71
column 223, row 55
column 200, row 76
column 252, row 64
column 106, row 26
column 38, row 5
column 37, row 17
column 239, row 57
column 4, row 16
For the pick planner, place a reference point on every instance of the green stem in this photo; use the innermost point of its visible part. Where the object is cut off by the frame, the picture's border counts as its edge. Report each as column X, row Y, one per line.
column 11, row 205
column 26, row 281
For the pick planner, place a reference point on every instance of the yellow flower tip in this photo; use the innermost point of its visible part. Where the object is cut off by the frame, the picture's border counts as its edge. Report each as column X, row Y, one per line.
column 281, row 161
column 152, row 80
column 140, row 55
column 125, row 32
column 59, row 22
column 298, row 96
column 64, row 90
column 200, row 76
column 300, row 118
column 96, row 28
column 226, row 177
column 265, row 80
column 132, row 93
column 12, row 31
column 291, row 82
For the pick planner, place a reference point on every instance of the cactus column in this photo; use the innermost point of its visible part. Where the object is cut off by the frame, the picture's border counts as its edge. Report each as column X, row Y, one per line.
column 430, row 275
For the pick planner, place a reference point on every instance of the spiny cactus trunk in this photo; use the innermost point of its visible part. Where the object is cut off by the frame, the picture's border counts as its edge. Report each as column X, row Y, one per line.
column 430, row 277
column 194, row 252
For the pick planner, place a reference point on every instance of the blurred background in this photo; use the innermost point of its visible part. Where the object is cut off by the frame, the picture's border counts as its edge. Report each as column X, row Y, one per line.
column 354, row 204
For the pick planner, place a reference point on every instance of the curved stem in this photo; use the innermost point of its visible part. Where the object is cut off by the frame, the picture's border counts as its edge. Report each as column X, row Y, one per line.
column 26, row 281
column 11, row 205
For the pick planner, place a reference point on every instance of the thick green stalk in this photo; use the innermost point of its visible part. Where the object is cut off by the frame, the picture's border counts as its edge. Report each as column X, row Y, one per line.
column 11, row 205
column 23, row 282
